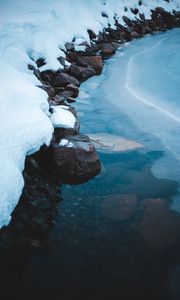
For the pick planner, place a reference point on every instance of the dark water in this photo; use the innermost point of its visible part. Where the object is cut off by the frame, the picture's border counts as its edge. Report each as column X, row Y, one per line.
column 114, row 237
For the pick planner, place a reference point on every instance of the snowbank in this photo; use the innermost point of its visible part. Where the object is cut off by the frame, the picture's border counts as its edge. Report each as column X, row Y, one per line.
column 29, row 30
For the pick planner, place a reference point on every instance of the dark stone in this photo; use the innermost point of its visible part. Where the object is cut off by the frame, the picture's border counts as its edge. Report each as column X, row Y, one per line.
column 95, row 62
column 49, row 89
column 74, row 89
column 104, row 15
column 75, row 164
column 69, row 46
column 81, row 73
column 135, row 11
column 40, row 62
column 92, row 34
column 63, row 79
column 107, row 49
column 47, row 76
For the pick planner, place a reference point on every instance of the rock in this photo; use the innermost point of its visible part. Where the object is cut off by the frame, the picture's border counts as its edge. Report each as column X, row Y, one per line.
column 112, row 143
column 74, row 89
column 104, row 15
column 119, row 207
column 69, row 46
column 127, row 21
column 107, row 49
column 92, row 34
column 135, row 35
column 58, row 99
column 81, row 73
column 40, row 62
column 47, row 76
column 160, row 226
column 49, row 89
column 135, row 11
column 95, row 62
column 63, row 79
column 74, row 159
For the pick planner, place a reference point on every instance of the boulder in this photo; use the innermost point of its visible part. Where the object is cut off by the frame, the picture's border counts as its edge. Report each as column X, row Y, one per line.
column 74, row 159
column 73, row 88
column 107, row 49
column 95, row 62
column 63, row 79
column 81, row 73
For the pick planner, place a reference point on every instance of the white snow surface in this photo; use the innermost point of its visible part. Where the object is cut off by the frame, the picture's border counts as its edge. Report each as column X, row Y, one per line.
column 62, row 118
column 30, row 30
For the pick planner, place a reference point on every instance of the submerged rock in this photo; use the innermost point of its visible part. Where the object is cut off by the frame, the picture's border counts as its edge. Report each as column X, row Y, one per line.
column 112, row 143
column 160, row 226
column 119, row 207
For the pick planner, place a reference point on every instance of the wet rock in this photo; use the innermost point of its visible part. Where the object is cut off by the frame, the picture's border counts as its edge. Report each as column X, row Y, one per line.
column 74, row 159
column 160, row 226
column 119, row 207
column 63, row 79
column 81, row 73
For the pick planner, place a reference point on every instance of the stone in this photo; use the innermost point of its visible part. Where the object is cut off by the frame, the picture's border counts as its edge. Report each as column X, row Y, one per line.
column 49, row 90
column 74, row 159
column 160, row 226
column 95, row 62
column 135, row 35
column 73, row 88
column 92, row 34
column 47, row 76
column 107, row 49
column 81, row 73
column 69, row 46
column 119, row 207
column 63, row 79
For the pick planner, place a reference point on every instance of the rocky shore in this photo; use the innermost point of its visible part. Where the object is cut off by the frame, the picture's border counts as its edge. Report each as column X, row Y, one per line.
column 71, row 156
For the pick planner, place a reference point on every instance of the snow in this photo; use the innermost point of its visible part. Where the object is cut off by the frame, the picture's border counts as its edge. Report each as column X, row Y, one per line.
column 30, row 30
column 61, row 117
column 66, row 143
